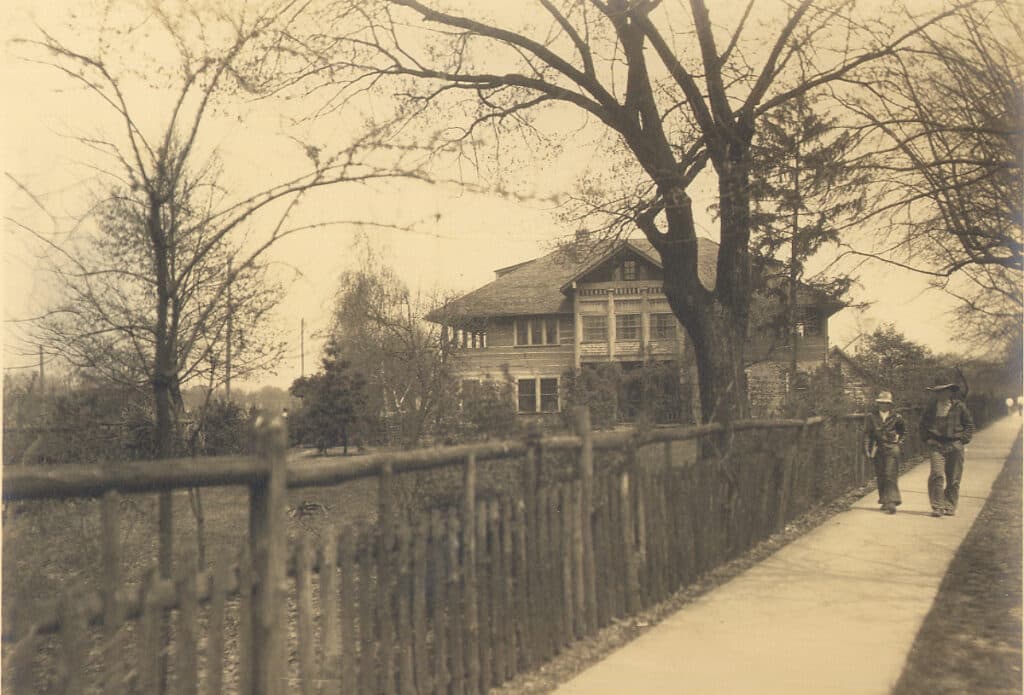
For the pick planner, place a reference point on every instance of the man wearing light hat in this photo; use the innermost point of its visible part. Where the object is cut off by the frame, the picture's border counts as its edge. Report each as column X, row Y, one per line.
column 883, row 430
column 946, row 426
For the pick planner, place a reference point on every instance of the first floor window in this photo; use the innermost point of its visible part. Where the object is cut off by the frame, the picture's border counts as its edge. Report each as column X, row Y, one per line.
column 527, row 395
column 549, row 395
column 663, row 327
column 627, row 327
column 595, row 329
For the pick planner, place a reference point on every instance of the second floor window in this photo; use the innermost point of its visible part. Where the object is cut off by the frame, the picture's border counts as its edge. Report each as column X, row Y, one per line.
column 629, row 270
column 595, row 329
column 663, row 327
column 536, row 331
column 627, row 327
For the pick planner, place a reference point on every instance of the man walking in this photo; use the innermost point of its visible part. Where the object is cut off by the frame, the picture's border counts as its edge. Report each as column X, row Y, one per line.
column 883, row 431
column 946, row 426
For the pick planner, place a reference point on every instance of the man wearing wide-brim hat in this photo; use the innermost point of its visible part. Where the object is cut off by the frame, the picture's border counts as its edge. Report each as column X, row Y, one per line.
column 883, row 430
column 946, row 426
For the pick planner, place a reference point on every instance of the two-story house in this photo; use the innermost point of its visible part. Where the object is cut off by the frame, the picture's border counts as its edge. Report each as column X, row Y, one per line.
column 540, row 320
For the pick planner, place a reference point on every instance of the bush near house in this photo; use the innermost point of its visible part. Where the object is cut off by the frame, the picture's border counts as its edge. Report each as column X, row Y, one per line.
column 645, row 394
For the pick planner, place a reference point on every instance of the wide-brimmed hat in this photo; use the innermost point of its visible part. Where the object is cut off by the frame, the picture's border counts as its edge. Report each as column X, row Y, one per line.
column 884, row 397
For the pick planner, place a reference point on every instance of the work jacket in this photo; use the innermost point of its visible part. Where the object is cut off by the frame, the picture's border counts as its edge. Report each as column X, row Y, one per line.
column 879, row 432
column 958, row 425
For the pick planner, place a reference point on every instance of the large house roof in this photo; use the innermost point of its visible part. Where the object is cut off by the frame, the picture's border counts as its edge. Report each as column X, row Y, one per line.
column 542, row 285
column 538, row 286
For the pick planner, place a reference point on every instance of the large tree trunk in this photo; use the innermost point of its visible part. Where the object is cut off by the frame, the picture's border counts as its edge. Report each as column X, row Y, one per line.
column 715, row 319
column 718, row 345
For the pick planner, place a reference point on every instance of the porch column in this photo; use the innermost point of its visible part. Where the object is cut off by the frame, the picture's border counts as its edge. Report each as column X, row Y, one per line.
column 611, row 325
column 577, row 326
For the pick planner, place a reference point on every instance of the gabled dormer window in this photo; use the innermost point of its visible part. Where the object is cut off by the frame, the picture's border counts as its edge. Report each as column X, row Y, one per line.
column 629, row 270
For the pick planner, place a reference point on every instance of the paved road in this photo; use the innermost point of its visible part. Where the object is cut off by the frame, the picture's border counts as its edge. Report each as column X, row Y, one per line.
column 834, row 612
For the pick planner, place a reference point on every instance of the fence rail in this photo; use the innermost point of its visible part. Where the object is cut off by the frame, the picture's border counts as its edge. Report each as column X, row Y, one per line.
column 588, row 528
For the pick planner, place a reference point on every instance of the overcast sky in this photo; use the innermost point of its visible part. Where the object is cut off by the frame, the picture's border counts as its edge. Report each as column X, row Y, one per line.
column 457, row 238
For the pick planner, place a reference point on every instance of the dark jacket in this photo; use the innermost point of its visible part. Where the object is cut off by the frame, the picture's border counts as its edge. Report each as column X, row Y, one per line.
column 879, row 433
column 959, row 426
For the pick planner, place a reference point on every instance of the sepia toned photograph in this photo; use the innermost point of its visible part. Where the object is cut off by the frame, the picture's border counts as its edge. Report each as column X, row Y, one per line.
column 447, row 347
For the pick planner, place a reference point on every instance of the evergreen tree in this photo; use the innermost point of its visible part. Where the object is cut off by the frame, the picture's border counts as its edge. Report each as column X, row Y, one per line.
column 802, row 187
column 332, row 401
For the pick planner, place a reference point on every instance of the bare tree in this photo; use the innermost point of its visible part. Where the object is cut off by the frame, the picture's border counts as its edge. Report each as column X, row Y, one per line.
column 951, row 164
column 379, row 328
column 166, row 239
column 676, row 91
column 168, row 259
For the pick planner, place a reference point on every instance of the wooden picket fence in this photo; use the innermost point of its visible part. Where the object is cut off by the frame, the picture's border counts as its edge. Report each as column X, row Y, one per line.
column 596, row 527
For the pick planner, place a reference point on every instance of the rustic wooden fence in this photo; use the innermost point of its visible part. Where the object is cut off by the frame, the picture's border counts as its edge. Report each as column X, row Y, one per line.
column 551, row 539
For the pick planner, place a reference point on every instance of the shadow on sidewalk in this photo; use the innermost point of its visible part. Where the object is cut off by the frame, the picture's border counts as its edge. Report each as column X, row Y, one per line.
column 901, row 512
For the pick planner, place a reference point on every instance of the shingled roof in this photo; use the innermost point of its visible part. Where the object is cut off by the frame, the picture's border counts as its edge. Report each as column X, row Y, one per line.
column 535, row 287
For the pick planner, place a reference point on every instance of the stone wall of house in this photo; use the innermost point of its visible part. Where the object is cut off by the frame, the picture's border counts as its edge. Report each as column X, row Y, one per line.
column 766, row 388
column 856, row 386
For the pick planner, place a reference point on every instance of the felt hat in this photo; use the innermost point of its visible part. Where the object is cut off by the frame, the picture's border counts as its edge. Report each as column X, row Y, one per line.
column 884, row 397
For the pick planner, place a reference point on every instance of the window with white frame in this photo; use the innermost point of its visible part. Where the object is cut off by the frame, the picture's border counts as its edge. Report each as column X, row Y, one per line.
column 595, row 329
column 527, row 395
column 629, row 270
column 549, row 395
column 537, row 392
column 536, row 331
column 663, row 327
column 627, row 327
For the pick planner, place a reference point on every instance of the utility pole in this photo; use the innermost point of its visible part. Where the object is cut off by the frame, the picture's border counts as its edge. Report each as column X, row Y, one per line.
column 227, row 361
column 302, row 347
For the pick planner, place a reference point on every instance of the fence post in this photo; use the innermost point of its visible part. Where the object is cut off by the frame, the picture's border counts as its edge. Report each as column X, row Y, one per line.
column 165, row 562
column 113, row 636
column 267, row 504
column 385, row 577
column 586, row 511
column 469, row 568
column 534, row 559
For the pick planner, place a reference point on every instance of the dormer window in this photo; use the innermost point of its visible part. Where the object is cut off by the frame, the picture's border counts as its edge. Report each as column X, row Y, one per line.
column 629, row 270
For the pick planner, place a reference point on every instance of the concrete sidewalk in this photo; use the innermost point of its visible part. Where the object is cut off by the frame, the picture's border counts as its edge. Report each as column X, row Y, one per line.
column 836, row 611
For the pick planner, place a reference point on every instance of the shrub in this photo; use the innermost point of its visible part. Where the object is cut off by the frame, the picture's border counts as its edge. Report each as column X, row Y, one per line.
column 596, row 387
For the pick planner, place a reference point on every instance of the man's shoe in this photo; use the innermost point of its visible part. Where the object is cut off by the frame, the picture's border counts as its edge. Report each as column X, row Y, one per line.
column 891, row 509
column 949, row 511
column 936, row 512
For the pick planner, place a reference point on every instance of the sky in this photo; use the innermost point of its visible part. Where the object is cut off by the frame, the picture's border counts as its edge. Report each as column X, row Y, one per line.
column 454, row 241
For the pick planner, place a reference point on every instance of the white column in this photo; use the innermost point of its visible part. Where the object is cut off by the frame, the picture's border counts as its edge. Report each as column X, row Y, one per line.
column 611, row 324
column 577, row 326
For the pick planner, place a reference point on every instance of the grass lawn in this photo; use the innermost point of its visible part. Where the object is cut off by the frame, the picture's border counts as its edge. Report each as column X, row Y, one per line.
column 54, row 545
column 971, row 640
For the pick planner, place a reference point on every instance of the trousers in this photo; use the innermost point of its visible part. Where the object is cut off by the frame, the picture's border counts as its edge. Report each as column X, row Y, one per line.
column 887, row 473
column 947, row 467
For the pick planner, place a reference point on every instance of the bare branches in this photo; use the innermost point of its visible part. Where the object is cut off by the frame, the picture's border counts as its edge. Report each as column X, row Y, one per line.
column 953, row 125
column 168, row 265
